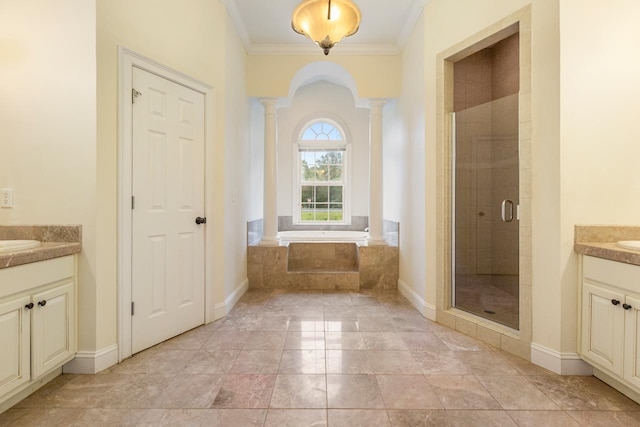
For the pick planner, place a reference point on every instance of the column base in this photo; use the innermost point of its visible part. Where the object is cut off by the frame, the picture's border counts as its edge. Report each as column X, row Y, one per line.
column 376, row 241
column 270, row 241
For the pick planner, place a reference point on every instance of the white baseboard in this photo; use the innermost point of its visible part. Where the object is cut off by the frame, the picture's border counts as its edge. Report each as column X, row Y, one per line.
column 426, row 309
column 92, row 362
column 222, row 309
column 560, row 363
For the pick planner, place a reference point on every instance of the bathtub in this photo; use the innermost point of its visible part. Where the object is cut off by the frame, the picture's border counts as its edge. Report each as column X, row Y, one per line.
column 359, row 237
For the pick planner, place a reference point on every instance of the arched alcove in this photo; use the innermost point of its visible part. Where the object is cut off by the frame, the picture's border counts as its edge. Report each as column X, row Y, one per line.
column 323, row 71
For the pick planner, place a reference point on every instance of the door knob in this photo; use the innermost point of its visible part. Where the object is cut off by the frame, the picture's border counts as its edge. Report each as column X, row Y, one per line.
column 201, row 220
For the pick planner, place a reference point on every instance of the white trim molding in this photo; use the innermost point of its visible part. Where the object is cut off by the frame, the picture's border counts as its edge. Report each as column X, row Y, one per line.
column 558, row 362
column 222, row 309
column 92, row 362
column 427, row 310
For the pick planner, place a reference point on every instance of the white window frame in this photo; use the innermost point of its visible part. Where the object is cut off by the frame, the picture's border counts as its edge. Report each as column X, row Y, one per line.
column 344, row 145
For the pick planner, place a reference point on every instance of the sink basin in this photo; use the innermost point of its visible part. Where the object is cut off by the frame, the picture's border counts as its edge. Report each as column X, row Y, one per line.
column 17, row 245
column 634, row 245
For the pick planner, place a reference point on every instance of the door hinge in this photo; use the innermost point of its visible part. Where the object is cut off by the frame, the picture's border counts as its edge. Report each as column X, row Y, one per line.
column 134, row 95
column 133, row 308
column 133, row 202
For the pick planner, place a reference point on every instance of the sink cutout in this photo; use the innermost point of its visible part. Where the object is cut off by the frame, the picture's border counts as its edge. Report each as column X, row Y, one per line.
column 18, row 245
column 634, row 245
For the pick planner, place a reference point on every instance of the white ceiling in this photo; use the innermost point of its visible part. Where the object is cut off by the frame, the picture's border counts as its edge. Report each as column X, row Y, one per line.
column 264, row 27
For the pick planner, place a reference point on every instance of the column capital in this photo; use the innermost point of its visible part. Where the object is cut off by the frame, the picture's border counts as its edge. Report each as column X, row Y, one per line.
column 376, row 104
column 269, row 102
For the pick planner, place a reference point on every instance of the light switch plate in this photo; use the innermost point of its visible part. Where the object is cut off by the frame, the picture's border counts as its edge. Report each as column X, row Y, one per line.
column 6, row 197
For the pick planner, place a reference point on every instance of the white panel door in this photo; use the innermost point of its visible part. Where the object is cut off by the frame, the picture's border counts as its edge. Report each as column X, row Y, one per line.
column 53, row 334
column 15, row 333
column 603, row 326
column 168, row 189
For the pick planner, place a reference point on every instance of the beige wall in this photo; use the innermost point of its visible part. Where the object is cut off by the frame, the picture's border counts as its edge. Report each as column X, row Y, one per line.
column 417, row 249
column 48, row 125
column 599, row 181
column 444, row 26
column 271, row 75
column 192, row 40
column 237, row 169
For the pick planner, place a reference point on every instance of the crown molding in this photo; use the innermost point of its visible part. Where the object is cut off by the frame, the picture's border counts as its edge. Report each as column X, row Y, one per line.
column 413, row 18
column 238, row 23
column 309, row 48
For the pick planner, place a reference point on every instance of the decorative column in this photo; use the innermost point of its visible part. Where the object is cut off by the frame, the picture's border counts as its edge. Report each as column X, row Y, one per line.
column 270, row 212
column 376, row 234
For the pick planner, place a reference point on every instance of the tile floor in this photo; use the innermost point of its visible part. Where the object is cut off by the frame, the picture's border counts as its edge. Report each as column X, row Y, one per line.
column 313, row 358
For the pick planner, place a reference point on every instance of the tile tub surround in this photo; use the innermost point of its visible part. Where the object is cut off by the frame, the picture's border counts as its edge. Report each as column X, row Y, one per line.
column 600, row 241
column 360, row 358
column 323, row 266
column 57, row 241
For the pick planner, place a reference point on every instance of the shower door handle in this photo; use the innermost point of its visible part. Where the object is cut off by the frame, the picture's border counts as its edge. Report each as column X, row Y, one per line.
column 507, row 216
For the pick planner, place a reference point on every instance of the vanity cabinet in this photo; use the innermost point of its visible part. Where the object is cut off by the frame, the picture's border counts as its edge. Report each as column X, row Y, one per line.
column 37, row 322
column 610, row 319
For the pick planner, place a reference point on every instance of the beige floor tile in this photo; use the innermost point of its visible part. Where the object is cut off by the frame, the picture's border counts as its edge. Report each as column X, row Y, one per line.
column 296, row 418
column 354, row 392
column 576, row 393
column 341, row 324
column 245, row 391
column 606, row 419
column 358, row 418
column 479, row 418
column 417, row 418
column 344, row 341
column 516, row 393
column 306, row 324
column 461, row 392
column 348, row 362
column 393, row 362
column 212, row 361
column 370, row 357
column 226, row 340
column 545, row 418
column 257, row 362
column 302, row 362
column 299, row 391
column 265, row 341
column 407, row 392
column 204, row 417
column 440, row 362
column 303, row 340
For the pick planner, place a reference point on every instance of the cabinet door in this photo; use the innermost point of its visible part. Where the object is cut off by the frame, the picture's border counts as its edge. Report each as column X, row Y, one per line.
column 603, row 327
column 15, row 328
column 632, row 342
column 53, row 330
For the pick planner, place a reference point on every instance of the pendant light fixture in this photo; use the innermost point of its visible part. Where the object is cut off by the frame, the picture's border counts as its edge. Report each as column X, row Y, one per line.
column 326, row 22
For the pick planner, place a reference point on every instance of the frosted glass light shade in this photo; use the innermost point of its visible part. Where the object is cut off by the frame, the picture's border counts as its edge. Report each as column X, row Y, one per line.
column 326, row 22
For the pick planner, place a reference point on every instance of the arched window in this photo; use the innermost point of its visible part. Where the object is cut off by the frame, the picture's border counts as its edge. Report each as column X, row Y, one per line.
column 321, row 194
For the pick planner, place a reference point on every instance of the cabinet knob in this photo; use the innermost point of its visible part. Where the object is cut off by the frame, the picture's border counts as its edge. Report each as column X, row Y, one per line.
column 42, row 303
column 626, row 306
column 29, row 306
column 615, row 302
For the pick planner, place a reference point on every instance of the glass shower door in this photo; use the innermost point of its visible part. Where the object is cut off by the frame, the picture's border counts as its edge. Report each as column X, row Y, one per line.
column 485, row 211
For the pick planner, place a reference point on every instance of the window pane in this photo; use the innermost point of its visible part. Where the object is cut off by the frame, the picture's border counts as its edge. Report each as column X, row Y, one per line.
column 335, row 173
column 322, row 194
column 335, row 194
column 322, row 173
column 307, row 195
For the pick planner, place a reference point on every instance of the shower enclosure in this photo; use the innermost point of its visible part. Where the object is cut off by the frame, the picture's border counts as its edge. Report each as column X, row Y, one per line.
column 485, row 214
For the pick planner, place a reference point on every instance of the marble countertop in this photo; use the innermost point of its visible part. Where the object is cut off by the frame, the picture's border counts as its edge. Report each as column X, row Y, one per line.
column 48, row 250
column 600, row 241
column 57, row 241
